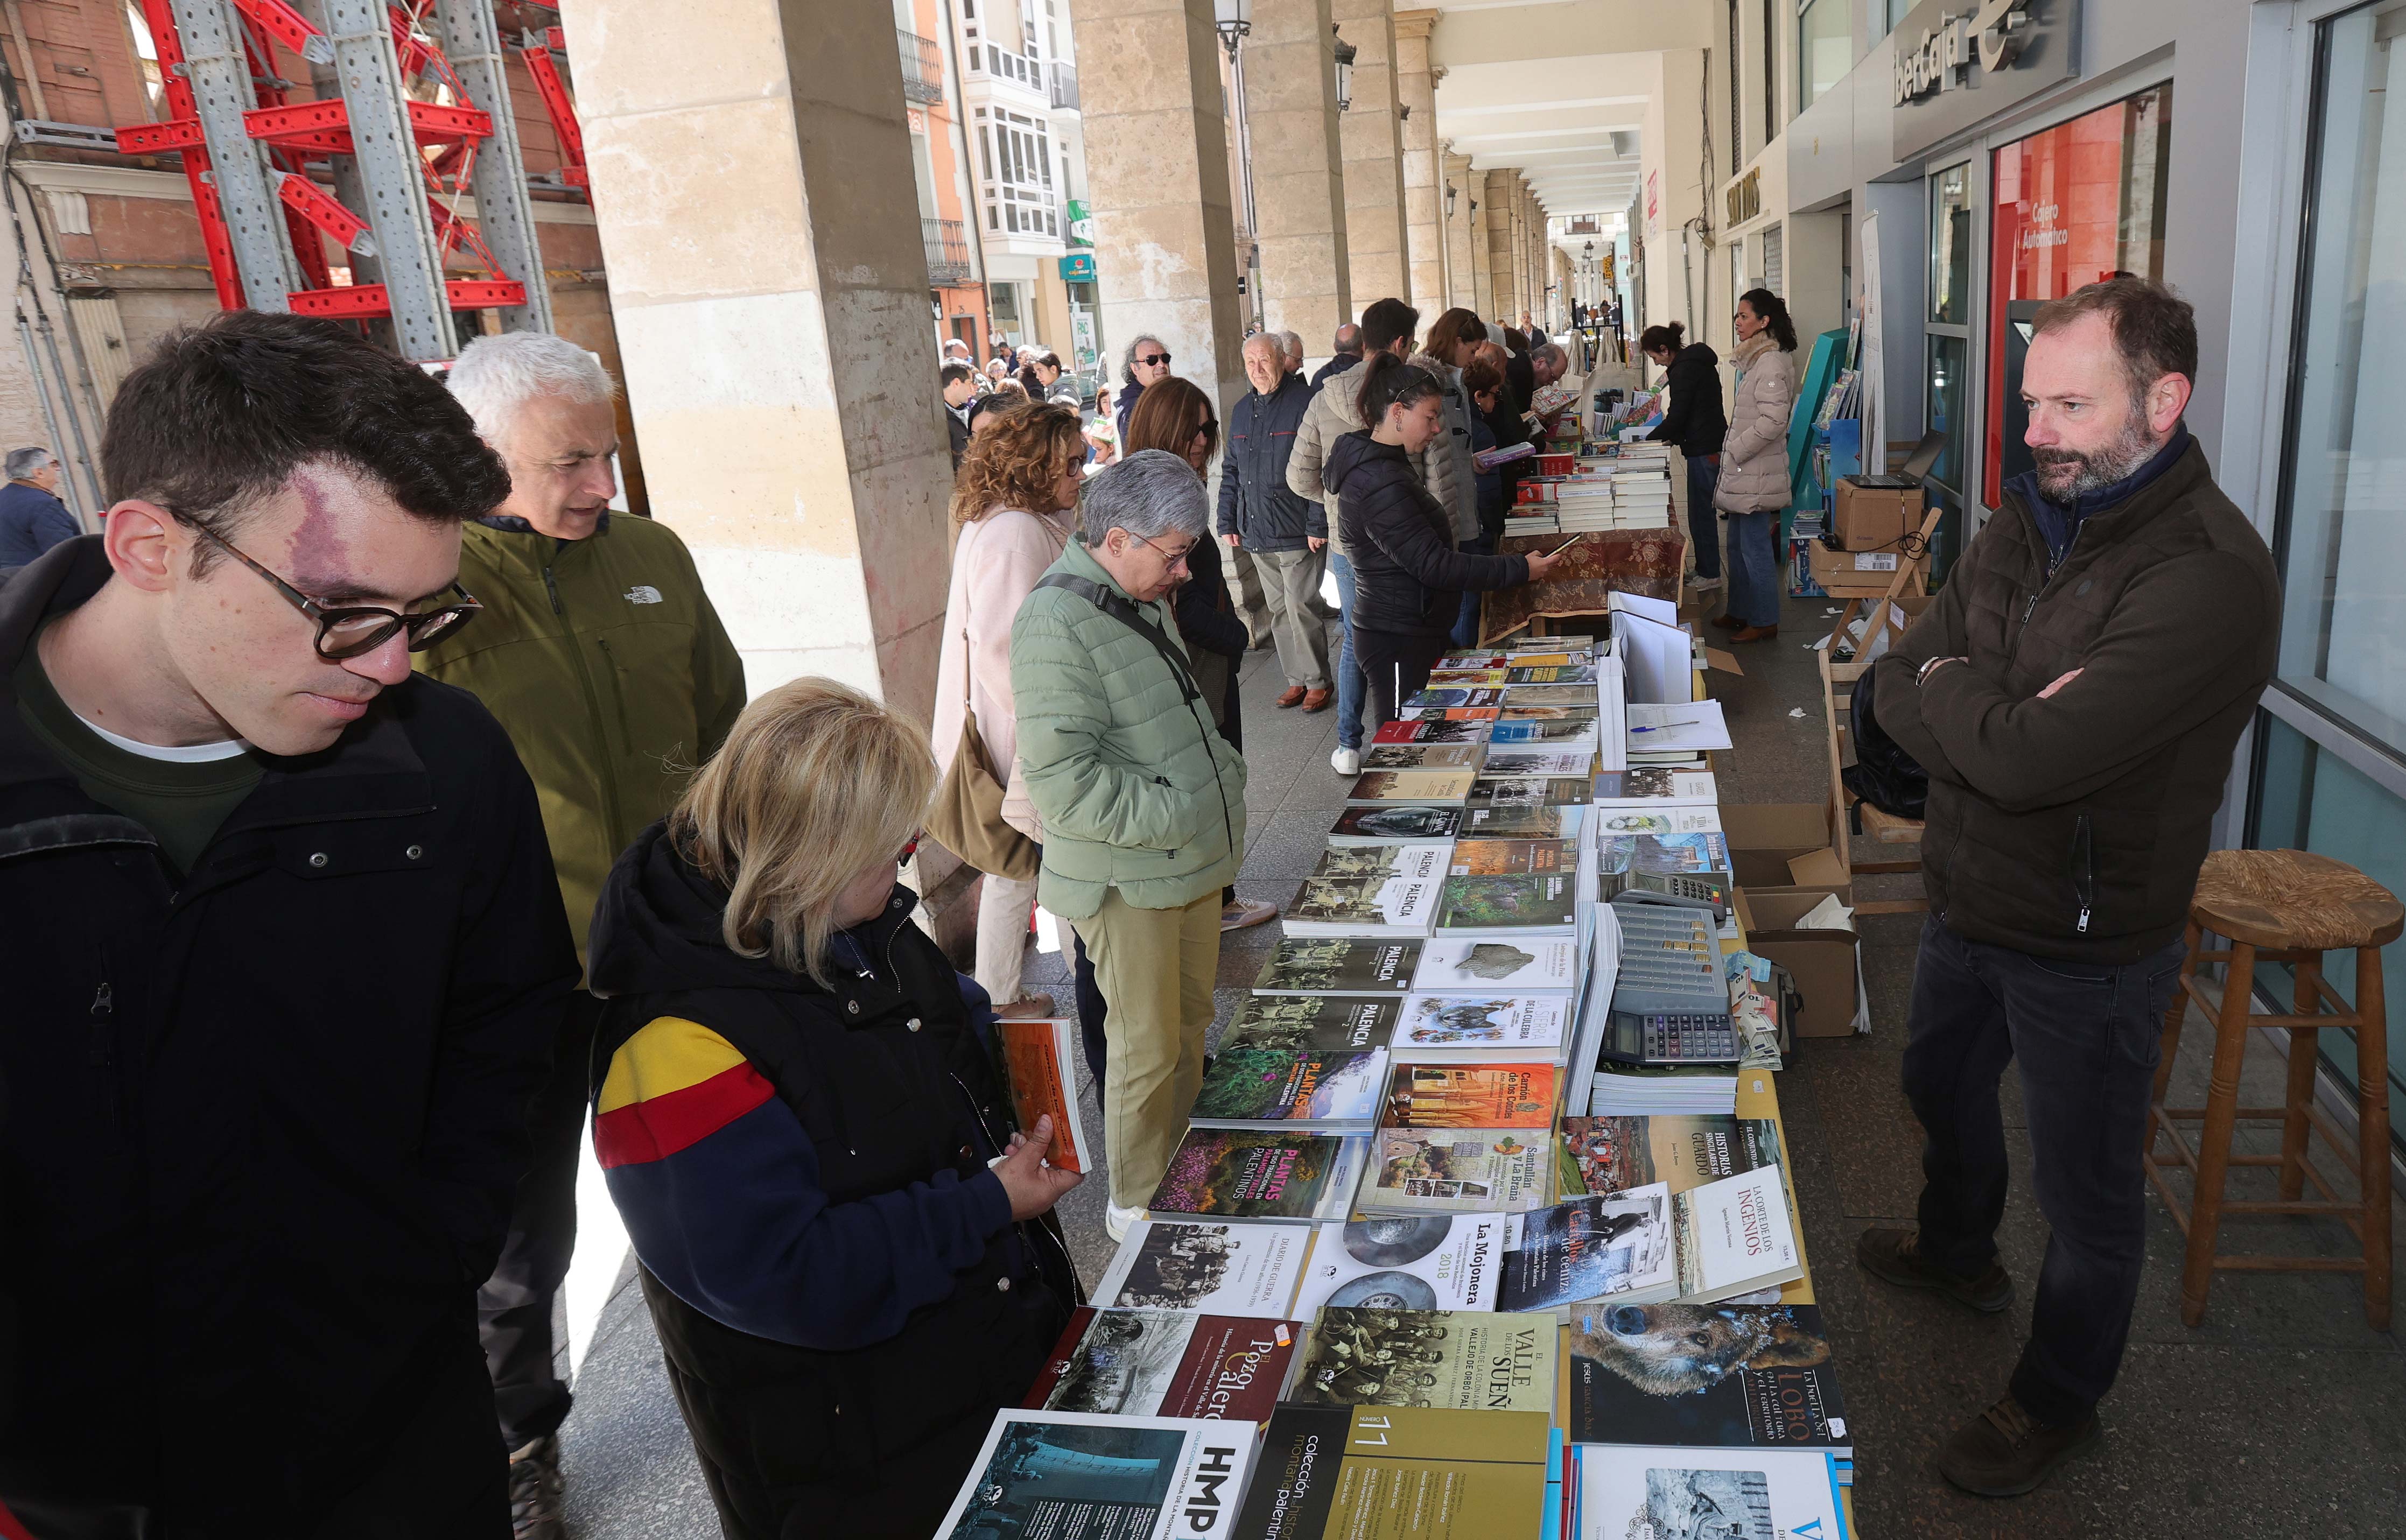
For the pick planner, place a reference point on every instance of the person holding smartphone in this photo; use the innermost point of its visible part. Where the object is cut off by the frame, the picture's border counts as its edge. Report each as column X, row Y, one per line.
column 1407, row 575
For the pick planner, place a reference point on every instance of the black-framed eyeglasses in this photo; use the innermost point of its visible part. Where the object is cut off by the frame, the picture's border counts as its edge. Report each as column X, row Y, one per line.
column 353, row 629
column 1151, row 359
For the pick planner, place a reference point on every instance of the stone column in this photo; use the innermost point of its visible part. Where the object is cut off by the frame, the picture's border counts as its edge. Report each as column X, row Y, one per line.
column 1460, row 273
column 1157, row 183
column 1483, row 247
column 1298, row 168
column 1375, row 244
column 1423, row 198
column 771, row 299
column 1502, row 207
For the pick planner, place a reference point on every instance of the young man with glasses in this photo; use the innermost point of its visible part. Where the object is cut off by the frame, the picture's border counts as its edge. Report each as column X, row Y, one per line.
column 285, row 955
column 605, row 661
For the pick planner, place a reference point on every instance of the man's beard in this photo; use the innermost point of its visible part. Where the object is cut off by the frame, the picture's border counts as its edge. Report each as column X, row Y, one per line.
column 2065, row 474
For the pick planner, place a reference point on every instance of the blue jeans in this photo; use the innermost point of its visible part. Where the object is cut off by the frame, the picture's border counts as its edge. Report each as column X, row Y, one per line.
column 1702, row 532
column 1351, row 684
column 1754, row 568
column 1465, row 625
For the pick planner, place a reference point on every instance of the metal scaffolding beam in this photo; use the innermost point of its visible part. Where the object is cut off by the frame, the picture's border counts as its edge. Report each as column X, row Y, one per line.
column 504, row 211
column 385, row 148
column 222, row 94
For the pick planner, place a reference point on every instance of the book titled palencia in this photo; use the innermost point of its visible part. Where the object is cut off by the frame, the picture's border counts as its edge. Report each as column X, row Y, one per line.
column 1167, row 1363
column 1289, row 1088
column 1038, row 1054
column 1310, row 1023
column 1338, row 964
column 1083, row 1473
column 1727, row 1376
column 1241, row 1173
column 1447, row 1095
column 1471, row 1360
column 1397, row 1473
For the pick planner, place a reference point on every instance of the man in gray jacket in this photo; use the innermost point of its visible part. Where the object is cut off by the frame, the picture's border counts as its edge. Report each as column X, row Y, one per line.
column 1260, row 514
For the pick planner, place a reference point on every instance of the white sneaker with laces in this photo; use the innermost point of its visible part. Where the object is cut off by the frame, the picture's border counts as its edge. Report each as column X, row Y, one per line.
column 1346, row 761
column 1246, row 912
column 1116, row 1221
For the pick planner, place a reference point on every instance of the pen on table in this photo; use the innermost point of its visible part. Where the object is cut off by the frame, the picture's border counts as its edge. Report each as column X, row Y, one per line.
column 1665, row 727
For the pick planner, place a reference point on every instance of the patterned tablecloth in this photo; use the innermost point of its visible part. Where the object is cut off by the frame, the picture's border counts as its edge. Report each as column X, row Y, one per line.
column 1635, row 561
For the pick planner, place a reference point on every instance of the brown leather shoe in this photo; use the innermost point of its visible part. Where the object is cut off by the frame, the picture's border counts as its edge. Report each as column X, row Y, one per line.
column 1316, row 701
column 1755, row 633
column 1290, row 696
column 2004, row 1451
column 1726, row 622
column 1896, row 1256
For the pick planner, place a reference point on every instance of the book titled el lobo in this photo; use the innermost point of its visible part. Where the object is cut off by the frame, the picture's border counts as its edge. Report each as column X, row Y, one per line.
column 1339, row 965
column 1398, row 1472
column 1292, row 1088
column 1471, row 1360
column 1245, row 1174
column 1444, row 1094
column 1456, row 1170
column 1082, row 1476
column 1038, row 1054
column 1166, row 1364
column 1312, row 1022
column 1725, row 1376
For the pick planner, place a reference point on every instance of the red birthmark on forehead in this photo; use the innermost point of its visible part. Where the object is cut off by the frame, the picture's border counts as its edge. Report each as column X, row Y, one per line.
column 317, row 554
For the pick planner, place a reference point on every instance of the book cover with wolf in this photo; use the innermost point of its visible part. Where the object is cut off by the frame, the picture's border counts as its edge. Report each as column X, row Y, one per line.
column 1727, row 1376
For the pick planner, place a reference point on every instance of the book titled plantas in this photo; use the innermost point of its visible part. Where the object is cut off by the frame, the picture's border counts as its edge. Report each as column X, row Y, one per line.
column 1453, row 1094
column 1438, row 1262
column 1312, row 1022
column 1338, row 964
column 1534, row 904
column 1383, row 788
column 1397, row 1473
column 1512, row 857
column 1391, row 825
column 1240, row 1173
column 1167, row 1363
column 1084, row 1473
column 1512, row 1026
column 1522, row 964
column 1471, row 1360
column 1456, row 1170
column 1228, row 1267
column 1286, row 1087
column 1718, row 1376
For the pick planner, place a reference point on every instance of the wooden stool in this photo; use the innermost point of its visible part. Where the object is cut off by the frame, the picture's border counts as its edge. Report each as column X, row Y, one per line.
column 2291, row 907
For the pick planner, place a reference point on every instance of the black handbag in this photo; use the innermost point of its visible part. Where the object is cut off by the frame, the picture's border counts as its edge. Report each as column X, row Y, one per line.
column 1883, row 775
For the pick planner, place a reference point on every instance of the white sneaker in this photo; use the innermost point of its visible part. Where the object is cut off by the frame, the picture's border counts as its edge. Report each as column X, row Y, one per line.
column 1116, row 1221
column 1707, row 584
column 1346, row 761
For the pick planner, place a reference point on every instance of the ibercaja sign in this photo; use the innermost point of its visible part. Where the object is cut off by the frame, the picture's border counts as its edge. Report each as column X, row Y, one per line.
column 1958, row 61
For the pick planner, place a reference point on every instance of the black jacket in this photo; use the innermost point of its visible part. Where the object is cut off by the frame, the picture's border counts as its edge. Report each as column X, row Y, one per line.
column 1697, row 421
column 1256, row 505
column 1332, row 368
column 2074, row 826
column 1216, row 637
column 263, row 1124
column 1510, row 427
column 1520, row 380
column 1408, row 577
column 957, row 424
column 888, row 1076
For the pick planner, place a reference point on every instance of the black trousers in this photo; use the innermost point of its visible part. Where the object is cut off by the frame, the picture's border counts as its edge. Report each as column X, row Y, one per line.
column 444, row 1477
column 513, row 1307
column 2087, row 1038
column 1091, row 1015
column 1397, row 666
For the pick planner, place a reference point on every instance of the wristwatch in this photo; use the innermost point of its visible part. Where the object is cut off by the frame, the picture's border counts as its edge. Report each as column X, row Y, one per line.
column 1921, row 675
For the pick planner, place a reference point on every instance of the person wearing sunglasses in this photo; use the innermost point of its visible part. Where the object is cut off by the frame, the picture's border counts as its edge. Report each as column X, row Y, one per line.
column 1148, row 359
column 606, row 660
column 285, row 955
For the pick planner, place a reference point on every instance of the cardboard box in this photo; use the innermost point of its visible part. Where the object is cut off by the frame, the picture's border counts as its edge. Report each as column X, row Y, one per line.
column 1781, row 844
column 1873, row 518
column 1852, row 574
column 1822, row 962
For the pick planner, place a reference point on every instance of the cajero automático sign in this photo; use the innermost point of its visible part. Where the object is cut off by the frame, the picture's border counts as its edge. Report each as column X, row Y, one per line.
column 1958, row 61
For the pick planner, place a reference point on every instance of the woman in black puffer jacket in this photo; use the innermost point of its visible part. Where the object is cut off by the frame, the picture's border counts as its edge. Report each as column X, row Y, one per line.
column 1696, row 423
column 1408, row 576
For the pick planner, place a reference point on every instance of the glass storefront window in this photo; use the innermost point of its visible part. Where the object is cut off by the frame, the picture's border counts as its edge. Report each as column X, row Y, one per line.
column 2309, row 800
column 2072, row 205
column 1950, row 245
column 1949, row 366
column 1825, row 48
column 2341, row 536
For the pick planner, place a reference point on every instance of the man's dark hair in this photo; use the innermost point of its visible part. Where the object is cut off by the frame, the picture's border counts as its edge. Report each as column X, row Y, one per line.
column 955, row 371
column 1388, row 322
column 2155, row 330
column 1347, row 339
column 220, row 416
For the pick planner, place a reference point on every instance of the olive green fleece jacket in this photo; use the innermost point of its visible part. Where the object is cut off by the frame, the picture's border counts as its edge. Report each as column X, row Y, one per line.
column 606, row 664
column 1136, row 789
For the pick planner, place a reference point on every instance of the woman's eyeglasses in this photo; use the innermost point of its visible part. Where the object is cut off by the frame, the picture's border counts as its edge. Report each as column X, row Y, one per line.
column 353, row 629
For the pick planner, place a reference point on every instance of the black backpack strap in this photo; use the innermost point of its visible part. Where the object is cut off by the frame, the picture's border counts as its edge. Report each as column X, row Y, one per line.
column 1119, row 609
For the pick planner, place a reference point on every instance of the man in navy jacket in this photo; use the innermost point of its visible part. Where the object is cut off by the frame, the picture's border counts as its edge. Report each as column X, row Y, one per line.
column 1286, row 534
column 32, row 517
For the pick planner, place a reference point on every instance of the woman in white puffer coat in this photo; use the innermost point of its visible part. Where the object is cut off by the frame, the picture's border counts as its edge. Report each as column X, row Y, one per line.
column 1754, row 485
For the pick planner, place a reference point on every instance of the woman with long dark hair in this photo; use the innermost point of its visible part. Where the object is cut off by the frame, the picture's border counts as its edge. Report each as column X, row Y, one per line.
column 1696, row 423
column 1408, row 576
column 1754, row 487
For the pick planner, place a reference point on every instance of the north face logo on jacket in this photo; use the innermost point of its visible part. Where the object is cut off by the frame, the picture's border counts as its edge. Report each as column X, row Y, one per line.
column 643, row 593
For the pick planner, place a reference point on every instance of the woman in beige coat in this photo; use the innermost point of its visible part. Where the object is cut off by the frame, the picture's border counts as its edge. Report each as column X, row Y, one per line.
column 1754, row 485
column 1014, row 505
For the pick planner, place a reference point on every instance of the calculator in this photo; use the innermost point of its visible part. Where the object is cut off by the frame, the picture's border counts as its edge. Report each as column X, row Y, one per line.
column 1669, row 1003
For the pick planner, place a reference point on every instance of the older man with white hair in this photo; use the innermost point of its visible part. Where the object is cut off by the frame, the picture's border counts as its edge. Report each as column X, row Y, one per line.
column 32, row 517
column 1142, row 801
column 602, row 658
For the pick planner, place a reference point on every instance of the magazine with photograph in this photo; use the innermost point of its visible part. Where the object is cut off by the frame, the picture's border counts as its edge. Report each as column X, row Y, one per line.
column 1528, row 791
column 1571, row 730
column 1594, row 1249
column 1455, row 679
column 1167, row 1363
column 1670, row 818
column 1226, row 1267
column 1456, row 1170
column 1473, row 1360
column 1548, row 694
column 1363, row 906
column 1512, row 760
column 1312, row 1022
column 1510, row 1027
column 1435, row 1262
column 1045, row 1476
column 1650, row 785
column 1339, row 965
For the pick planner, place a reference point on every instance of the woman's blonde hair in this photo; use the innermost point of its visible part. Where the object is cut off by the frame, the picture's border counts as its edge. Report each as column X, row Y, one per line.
column 1014, row 461
column 815, row 783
